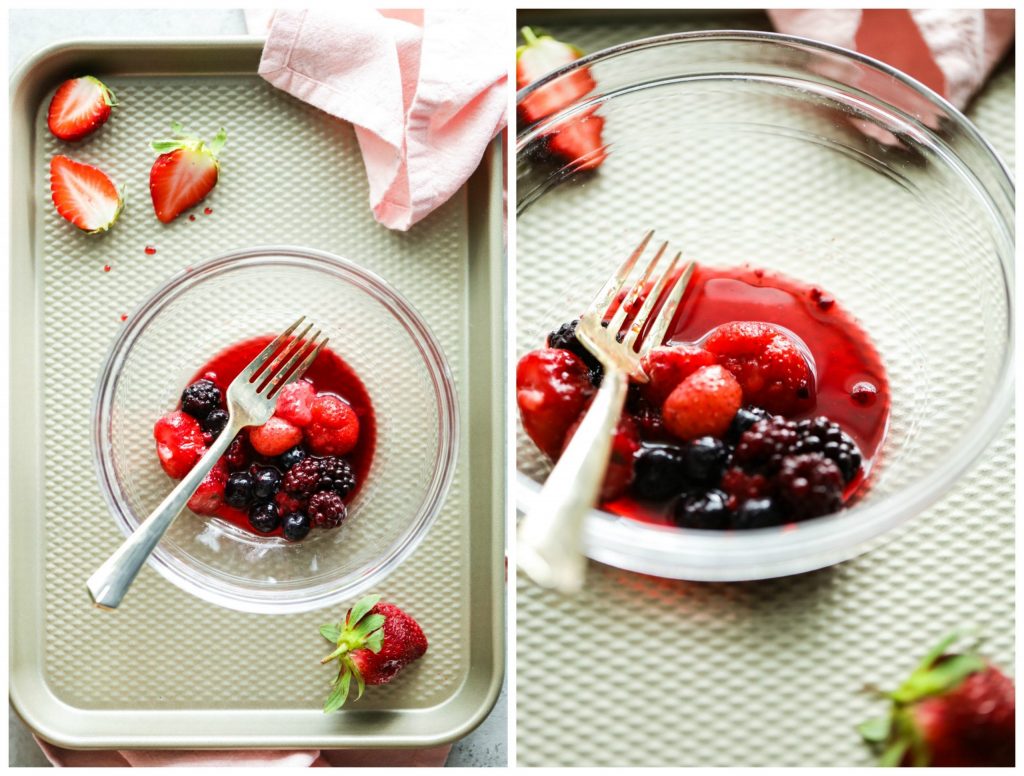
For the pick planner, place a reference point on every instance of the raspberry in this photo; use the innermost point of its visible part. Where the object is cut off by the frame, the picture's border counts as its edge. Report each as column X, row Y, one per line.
column 767, row 363
column 810, row 485
column 274, row 437
column 200, row 399
column 704, row 404
column 302, row 478
column 288, row 504
column 821, row 435
column 336, row 474
column 209, row 496
column 334, row 428
column 742, row 487
column 552, row 388
column 295, row 403
column 703, row 510
column 667, row 366
column 326, row 510
column 762, row 446
column 179, row 443
column 564, row 337
column 237, row 456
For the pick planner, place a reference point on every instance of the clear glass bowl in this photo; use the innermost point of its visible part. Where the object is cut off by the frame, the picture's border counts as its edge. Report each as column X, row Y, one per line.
column 220, row 302
column 822, row 164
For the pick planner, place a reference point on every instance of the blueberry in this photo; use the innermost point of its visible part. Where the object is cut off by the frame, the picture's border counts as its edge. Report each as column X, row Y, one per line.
column 703, row 510
column 706, row 459
column 758, row 513
column 659, row 472
column 744, row 419
column 264, row 516
column 215, row 422
column 289, row 458
column 266, row 483
column 200, row 399
column 238, row 490
column 295, row 526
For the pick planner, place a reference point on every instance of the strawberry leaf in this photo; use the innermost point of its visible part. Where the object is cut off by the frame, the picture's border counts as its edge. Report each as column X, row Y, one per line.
column 875, row 730
column 360, row 683
column 938, row 651
column 893, row 755
column 331, row 632
column 367, row 626
column 938, row 679
column 363, row 605
column 339, row 695
column 218, row 141
column 375, row 641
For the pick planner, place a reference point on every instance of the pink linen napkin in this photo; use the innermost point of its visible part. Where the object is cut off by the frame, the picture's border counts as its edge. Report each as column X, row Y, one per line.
column 950, row 51
column 304, row 758
column 425, row 89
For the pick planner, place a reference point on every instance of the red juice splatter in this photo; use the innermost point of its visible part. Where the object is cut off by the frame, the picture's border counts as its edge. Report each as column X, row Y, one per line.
column 192, row 217
column 106, row 268
column 207, row 211
column 124, row 317
column 150, row 250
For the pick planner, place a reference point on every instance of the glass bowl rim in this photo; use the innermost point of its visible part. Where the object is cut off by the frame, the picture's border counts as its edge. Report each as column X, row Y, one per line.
column 712, row 556
column 435, row 362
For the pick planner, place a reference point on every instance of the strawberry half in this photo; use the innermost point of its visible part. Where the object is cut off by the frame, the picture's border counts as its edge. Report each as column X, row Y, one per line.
column 374, row 642
column 80, row 107
column 534, row 60
column 84, row 195
column 955, row 710
column 185, row 172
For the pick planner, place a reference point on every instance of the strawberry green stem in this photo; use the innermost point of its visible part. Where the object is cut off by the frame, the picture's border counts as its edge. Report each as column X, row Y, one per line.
column 529, row 35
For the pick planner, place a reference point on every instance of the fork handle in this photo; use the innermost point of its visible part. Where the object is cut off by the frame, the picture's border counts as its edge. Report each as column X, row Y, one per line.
column 549, row 547
column 111, row 581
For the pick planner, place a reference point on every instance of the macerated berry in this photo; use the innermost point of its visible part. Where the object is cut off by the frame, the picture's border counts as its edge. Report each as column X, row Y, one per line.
column 809, row 485
column 703, row 404
column 741, row 486
column 334, row 428
column 564, row 338
column 336, row 474
column 552, row 389
column 266, row 482
column 179, row 443
column 821, row 435
column 295, row 526
column 209, row 496
column 291, row 457
column 238, row 491
column 659, row 472
column 668, row 365
column 237, row 456
column 326, row 509
column 703, row 510
column 705, row 460
column 264, row 516
column 215, row 422
column 762, row 447
column 302, row 478
column 745, row 418
column 200, row 399
column 274, row 437
column 757, row 513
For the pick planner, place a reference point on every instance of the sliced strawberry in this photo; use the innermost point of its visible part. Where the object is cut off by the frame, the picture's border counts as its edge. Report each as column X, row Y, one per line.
column 185, row 172
column 84, row 195
column 209, row 496
column 578, row 142
column 667, row 366
column 80, row 106
column 552, row 387
column 274, row 437
column 179, row 443
column 333, row 428
column 703, row 404
column 534, row 60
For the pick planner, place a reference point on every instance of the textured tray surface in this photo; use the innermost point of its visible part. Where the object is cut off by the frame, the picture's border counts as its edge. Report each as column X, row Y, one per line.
column 165, row 649
column 763, row 673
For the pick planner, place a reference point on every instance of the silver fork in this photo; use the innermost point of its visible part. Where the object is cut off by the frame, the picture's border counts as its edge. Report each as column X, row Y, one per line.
column 251, row 398
column 549, row 546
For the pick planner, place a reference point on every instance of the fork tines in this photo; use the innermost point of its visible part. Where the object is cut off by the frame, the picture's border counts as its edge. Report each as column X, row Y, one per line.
column 286, row 351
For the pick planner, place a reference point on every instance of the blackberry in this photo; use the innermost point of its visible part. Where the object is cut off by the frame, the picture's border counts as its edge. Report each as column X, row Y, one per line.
column 264, row 516
column 326, row 509
column 564, row 337
column 659, row 472
column 200, row 399
column 295, row 526
column 238, row 490
column 703, row 510
column 215, row 422
column 762, row 447
column 289, row 458
column 706, row 459
column 336, row 474
column 302, row 478
column 266, row 482
column 809, row 485
column 744, row 419
column 821, row 435
column 758, row 513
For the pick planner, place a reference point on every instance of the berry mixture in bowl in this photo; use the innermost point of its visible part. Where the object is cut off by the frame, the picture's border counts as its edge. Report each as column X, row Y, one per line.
column 767, row 404
column 296, row 473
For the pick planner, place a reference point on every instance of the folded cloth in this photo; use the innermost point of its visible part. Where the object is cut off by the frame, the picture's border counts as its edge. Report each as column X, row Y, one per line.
column 425, row 89
column 301, row 758
column 951, row 51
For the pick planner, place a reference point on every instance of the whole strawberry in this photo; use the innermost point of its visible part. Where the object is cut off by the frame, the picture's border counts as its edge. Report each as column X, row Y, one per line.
column 374, row 642
column 955, row 710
